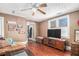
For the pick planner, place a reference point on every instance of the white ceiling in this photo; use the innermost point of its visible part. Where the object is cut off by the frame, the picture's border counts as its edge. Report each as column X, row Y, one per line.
column 52, row 9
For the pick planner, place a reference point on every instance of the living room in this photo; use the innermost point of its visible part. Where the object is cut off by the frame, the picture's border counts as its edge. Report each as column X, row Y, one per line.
column 35, row 31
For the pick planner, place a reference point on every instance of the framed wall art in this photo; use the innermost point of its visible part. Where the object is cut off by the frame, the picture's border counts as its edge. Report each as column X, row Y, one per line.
column 11, row 27
column 53, row 24
column 63, row 22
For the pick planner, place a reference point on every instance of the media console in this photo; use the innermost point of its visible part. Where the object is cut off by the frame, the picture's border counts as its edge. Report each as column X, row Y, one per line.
column 57, row 43
column 54, row 42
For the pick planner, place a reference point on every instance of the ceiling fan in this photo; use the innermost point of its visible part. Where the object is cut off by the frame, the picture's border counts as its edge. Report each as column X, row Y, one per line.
column 36, row 7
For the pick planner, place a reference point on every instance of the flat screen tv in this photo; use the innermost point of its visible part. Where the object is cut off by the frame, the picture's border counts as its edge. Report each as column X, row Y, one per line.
column 55, row 33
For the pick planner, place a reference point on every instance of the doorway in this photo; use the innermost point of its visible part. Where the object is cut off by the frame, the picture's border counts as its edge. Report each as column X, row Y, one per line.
column 30, row 32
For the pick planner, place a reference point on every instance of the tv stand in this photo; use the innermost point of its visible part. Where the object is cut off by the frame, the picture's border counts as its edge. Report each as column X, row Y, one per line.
column 55, row 43
column 52, row 42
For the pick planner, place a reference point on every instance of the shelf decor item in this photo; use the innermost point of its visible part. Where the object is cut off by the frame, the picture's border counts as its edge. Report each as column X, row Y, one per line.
column 11, row 27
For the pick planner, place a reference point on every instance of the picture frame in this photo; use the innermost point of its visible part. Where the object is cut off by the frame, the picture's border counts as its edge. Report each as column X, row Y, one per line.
column 53, row 24
column 11, row 27
column 63, row 22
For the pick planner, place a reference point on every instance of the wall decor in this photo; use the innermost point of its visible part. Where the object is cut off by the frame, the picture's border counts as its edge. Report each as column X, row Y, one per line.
column 18, row 30
column 11, row 27
column 53, row 24
column 63, row 22
column 19, row 26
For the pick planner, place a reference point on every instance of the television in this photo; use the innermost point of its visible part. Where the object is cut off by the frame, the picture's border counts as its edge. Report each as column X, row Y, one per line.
column 55, row 33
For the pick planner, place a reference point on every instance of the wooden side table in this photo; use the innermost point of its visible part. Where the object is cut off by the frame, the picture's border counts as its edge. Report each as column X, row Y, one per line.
column 39, row 39
column 75, row 49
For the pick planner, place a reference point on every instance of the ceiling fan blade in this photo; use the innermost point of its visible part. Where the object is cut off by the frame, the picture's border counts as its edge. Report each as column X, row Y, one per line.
column 26, row 9
column 43, row 5
column 41, row 11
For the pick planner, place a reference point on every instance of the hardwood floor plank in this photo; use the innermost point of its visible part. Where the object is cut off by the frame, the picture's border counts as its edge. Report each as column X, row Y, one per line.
column 37, row 49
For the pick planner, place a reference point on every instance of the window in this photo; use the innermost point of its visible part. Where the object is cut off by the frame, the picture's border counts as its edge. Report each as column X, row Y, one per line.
column 60, row 23
column 63, row 22
column 1, row 26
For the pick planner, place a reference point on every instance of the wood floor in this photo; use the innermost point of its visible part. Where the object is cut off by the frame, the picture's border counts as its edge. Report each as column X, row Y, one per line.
column 37, row 49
